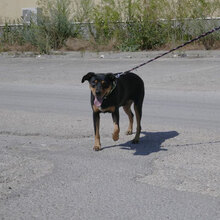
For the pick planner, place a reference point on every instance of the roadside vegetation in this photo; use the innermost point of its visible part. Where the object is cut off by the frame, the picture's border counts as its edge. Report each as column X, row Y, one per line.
column 123, row 25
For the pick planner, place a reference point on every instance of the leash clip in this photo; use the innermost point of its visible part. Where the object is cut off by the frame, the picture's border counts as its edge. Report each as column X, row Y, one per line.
column 119, row 74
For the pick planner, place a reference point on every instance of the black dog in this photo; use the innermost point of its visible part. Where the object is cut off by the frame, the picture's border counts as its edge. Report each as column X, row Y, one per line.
column 108, row 93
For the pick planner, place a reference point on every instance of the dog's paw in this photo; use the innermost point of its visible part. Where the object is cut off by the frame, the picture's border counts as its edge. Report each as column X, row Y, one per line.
column 97, row 147
column 135, row 141
column 115, row 136
column 129, row 132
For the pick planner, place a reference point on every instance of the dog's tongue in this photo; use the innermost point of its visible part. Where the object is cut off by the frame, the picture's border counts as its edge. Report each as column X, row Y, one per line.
column 97, row 102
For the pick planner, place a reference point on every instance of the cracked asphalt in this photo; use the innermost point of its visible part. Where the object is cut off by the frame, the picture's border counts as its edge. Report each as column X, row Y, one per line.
column 48, row 169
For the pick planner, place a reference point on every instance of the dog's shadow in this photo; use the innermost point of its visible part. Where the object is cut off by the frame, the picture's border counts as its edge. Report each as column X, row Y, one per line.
column 149, row 143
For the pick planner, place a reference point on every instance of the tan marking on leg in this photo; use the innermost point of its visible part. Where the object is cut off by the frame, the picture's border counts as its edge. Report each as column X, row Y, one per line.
column 115, row 135
column 127, row 109
column 138, row 131
column 95, row 108
column 97, row 145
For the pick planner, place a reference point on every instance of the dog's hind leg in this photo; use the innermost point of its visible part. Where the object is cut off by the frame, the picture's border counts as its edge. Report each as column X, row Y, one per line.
column 127, row 109
column 138, row 113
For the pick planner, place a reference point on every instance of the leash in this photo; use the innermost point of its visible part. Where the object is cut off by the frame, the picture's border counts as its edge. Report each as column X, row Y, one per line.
column 170, row 51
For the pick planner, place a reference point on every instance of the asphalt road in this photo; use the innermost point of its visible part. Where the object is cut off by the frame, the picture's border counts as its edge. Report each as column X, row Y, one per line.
column 48, row 169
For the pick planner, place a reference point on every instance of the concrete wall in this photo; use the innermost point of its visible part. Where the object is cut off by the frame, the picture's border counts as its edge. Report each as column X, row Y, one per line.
column 12, row 9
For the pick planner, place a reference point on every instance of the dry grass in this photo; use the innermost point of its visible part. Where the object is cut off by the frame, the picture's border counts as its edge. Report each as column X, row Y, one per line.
column 18, row 48
column 193, row 46
column 75, row 44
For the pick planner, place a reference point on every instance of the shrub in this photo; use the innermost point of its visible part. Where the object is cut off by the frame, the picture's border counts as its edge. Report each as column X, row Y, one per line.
column 54, row 27
column 55, row 23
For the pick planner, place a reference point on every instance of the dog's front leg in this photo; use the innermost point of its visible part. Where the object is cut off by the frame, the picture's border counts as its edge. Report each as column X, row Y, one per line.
column 115, row 117
column 96, row 122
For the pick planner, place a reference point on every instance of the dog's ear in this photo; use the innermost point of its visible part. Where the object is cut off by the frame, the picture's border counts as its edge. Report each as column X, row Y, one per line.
column 88, row 76
column 111, row 76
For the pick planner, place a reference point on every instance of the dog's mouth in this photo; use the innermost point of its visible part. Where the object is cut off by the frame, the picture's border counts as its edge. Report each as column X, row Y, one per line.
column 98, row 101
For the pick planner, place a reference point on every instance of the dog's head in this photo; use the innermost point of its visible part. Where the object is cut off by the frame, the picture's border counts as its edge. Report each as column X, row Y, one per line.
column 100, row 84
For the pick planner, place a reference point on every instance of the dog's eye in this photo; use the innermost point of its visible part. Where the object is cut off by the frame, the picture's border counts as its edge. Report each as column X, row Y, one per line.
column 93, row 84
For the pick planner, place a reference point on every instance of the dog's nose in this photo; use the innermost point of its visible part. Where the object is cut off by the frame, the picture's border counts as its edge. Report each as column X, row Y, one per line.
column 98, row 93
